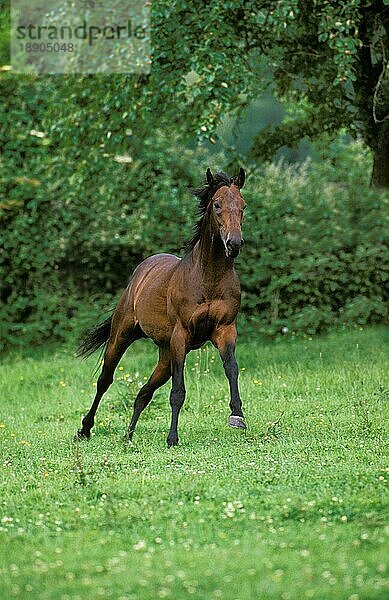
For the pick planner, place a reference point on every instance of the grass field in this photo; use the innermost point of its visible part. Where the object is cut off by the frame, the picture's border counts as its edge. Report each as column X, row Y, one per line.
column 294, row 508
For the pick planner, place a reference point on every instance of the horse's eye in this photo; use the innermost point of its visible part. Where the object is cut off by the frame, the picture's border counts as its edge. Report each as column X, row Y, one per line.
column 217, row 206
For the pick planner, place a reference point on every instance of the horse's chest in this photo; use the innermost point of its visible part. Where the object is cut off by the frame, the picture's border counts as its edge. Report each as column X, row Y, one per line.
column 202, row 320
column 205, row 318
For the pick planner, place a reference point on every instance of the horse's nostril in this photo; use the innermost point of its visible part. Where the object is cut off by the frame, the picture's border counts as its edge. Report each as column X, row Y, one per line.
column 234, row 243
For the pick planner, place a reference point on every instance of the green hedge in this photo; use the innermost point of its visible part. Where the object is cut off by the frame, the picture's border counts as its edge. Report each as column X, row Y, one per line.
column 73, row 218
column 317, row 252
column 77, row 220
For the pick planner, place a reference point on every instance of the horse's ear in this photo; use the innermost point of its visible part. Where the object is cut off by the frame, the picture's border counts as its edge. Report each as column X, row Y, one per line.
column 209, row 176
column 240, row 178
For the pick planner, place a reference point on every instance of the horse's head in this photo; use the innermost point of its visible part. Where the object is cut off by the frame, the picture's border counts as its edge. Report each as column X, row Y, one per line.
column 226, row 212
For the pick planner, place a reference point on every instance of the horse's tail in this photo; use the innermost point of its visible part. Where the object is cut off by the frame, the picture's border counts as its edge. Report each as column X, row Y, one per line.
column 94, row 338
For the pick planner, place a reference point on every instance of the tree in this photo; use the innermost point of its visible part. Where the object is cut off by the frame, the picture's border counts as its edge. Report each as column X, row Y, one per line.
column 333, row 60
column 329, row 58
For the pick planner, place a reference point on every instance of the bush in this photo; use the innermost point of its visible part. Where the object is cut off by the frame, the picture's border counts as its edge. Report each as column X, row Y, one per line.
column 317, row 252
column 77, row 216
column 75, row 223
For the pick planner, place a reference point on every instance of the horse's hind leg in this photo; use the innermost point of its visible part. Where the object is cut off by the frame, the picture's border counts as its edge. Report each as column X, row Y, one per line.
column 115, row 349
column 160, row 375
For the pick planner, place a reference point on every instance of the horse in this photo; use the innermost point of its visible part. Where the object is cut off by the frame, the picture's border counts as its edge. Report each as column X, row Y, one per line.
column 180, row 304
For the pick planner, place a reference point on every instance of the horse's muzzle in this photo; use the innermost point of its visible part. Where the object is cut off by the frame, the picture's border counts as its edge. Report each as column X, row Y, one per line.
column 233, row 246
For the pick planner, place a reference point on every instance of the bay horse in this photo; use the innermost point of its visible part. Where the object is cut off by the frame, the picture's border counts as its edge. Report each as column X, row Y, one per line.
column 180, row 304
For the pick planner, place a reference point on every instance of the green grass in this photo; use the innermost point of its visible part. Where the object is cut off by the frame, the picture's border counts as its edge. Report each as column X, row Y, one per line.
column 295, row 508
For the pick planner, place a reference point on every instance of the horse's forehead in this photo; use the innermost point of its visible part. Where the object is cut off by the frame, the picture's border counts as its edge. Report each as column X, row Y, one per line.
column 229, row 193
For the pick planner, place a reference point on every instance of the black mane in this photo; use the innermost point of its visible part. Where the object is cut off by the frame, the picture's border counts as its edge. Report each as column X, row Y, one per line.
column 204, row 195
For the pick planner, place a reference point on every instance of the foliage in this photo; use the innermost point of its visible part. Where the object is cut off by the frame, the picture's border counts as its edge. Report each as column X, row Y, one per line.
column 317, row 247
column 73, row 222
column 76, row 224
column 71, row 225
column 329, row 58
column 94, row 173
column 297, row 507
column 31, row 230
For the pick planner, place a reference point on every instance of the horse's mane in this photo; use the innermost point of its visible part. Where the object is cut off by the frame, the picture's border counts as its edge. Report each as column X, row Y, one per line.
column 204, row 195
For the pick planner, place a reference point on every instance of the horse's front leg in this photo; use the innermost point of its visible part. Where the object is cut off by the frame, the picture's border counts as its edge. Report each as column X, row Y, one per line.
column 224, row 339
column 177, row 395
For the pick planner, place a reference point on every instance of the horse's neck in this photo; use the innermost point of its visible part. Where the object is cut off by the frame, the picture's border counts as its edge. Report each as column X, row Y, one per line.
column 211, row 260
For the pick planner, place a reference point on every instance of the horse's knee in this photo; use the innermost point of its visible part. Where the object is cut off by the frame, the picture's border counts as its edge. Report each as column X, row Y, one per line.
column 177, row 397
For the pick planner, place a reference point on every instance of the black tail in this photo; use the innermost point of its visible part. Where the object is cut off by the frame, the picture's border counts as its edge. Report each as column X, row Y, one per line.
column 95, row 338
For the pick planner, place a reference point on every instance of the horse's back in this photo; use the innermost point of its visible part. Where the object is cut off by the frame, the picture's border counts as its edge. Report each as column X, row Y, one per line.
column 147, row 295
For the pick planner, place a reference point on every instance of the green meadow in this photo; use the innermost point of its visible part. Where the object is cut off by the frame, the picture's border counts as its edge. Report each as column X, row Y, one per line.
column 296, row 507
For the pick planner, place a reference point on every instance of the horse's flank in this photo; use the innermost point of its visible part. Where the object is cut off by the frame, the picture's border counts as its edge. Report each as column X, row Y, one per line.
column 144, row 301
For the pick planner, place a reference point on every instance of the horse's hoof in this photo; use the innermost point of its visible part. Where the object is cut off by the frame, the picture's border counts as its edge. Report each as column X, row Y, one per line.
column 237, row 422
column 172, row 442
column 81, row 435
